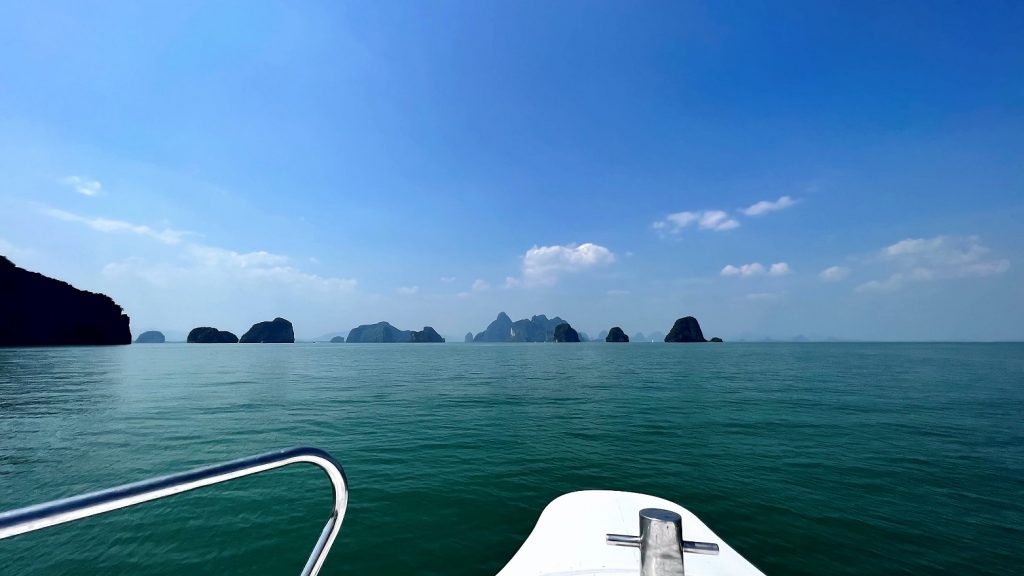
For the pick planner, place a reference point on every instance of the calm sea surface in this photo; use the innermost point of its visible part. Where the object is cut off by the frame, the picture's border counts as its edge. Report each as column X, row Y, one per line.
column 807, row 458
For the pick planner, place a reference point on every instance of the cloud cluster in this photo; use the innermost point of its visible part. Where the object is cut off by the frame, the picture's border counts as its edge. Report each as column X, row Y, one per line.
column 834, row 273
column 543, row 265
column 408, row 290
column 766, row 206
column 201, row 264
column 940, row 257
column 83, row 186
column 167, row 235
column 756, row 269
column 717, row 220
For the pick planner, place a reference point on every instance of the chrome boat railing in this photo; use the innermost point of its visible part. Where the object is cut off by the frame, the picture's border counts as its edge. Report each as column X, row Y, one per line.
column 75, row 508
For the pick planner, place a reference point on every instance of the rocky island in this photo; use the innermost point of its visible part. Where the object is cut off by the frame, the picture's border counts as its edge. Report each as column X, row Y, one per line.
column 151, row 337
column 536, row 329
column 338, row 340
column 616, row 335
column 685, row 330
column 37, row 310
column 385, row 333
column 428, row 334
column 276, row 331
column 565, row 333
column 208, row 335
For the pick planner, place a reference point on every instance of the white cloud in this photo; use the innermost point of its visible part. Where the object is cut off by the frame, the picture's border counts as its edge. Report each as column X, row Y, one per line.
column 408, row 290
column 755, row 269
column 716, row 220
column 744, row 270
column 542, row 265
column 480, row 285
column 84, row 186
column 13, row 252
column 940, row 257
column 206, row 265
column 167, row 235
column 512, row 282
column 834, row 273
column 447, row 279
column 890, row 284
column 766, row 206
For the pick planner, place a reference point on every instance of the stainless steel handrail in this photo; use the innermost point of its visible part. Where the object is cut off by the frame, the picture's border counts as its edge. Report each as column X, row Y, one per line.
column 75, row 508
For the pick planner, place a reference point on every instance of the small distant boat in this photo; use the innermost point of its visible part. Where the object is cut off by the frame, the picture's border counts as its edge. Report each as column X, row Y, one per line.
column 590, row 533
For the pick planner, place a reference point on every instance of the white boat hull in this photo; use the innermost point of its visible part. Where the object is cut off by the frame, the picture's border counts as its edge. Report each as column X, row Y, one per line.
column 569, row 539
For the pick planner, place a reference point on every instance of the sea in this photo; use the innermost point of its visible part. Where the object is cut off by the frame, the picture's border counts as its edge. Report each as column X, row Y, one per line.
column 807, row 458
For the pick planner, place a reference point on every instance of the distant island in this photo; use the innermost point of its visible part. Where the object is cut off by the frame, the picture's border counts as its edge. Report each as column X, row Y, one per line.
column 276, row 331
column 536, row 329
column 208, row 335
column 42, row 311
column 616, row 335
column 37, row 310
column 685, row 330
column 385, row 333
column 151, row 337
column 565, row 333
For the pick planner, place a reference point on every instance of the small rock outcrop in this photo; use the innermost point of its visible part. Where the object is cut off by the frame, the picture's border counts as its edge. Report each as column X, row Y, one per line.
column 208, row 335
column 602, row 335
column 685, row 330
column 469, row 337
column 565, row 333
column 37, row 310
column 276, row 331
column 616, row 335
column 428, row 334
column 379, row 333
column 151, row 337
column 716, row 339
column 338, row 340
column 639, row 337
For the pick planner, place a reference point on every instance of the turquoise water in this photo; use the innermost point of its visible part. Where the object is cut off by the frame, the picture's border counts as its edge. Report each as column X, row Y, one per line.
column 807, row 458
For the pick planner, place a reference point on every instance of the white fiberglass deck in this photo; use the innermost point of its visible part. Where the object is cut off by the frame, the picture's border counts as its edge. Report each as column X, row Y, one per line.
column 569, row 539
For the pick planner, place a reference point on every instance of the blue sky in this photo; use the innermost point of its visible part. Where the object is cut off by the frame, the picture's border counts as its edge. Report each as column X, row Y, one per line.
column 853, row 170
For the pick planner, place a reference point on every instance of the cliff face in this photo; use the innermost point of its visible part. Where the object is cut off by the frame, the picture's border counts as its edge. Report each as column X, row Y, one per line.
column 469, row 337
column 685, row 330
column 151, row 337
column 276, row 331
column 565, row 333
column 208, row 335
column 36, row 310
column 616, row 335
column 536, row 329
column 428, row 334
column 338, row 340
column 497, row 331
column 381, row 332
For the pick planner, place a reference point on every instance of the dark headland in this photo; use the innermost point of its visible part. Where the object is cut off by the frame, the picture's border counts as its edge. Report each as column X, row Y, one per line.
column 37, row 310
